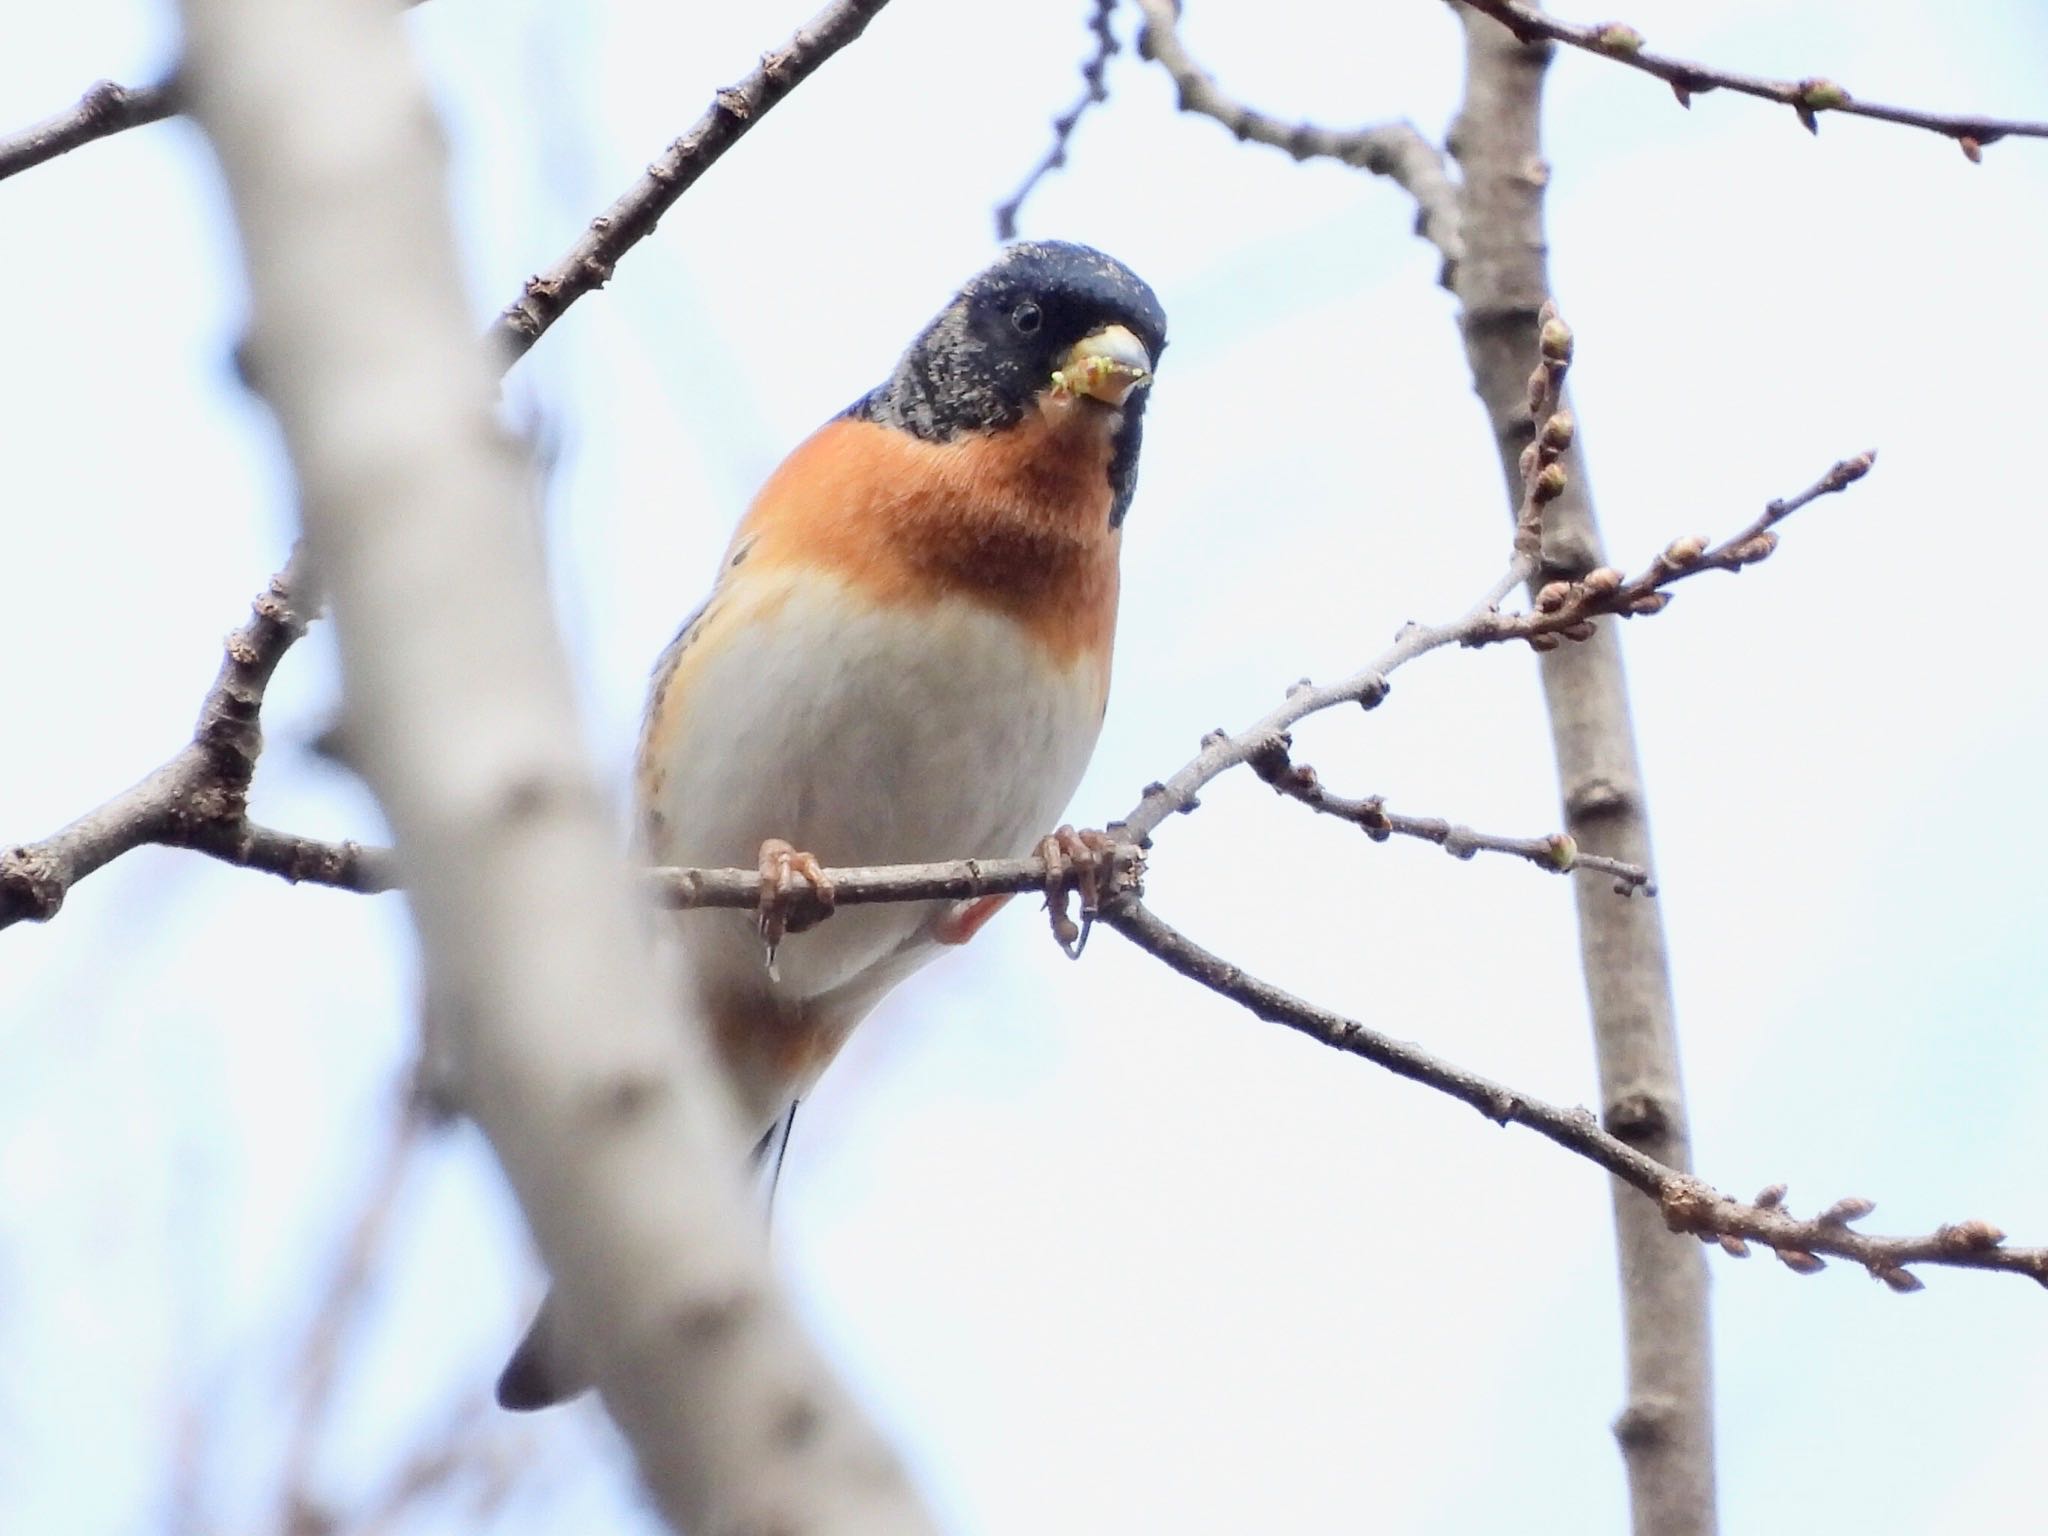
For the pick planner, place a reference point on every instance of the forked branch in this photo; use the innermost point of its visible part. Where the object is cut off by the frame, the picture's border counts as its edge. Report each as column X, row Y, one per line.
column 1688, row 1204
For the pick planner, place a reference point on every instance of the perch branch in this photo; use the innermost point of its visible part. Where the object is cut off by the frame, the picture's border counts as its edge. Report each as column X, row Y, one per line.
column 1807, row 98
column 373, row 869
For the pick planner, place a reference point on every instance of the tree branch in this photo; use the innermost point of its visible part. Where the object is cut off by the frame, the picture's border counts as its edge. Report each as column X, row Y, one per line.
column 469, row 1446
column 1666, row 1427
column 1562, row 609
column 1556, row 853
column 1686, row 1204
column 105, row 109
column 1093, row 91
column 632, row 218
column 1393, row 150
column 954, row 880
column 1807, row 98
column 372, row 870
column 609, row 1120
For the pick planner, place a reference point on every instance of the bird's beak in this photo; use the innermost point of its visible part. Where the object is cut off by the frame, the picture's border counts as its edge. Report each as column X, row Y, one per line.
column 1108, row 366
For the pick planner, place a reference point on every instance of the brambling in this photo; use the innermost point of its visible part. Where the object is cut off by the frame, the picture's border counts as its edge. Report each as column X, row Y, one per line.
column 905, row 658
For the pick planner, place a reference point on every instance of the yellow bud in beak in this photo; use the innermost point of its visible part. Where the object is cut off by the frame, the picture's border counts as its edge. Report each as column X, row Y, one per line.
column 1108, row 366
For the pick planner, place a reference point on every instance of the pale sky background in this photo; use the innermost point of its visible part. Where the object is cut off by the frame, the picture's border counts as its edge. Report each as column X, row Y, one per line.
column 1104, row 1253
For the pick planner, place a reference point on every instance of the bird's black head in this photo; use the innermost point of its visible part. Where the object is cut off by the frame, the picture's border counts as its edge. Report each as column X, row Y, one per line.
column 1046, row 315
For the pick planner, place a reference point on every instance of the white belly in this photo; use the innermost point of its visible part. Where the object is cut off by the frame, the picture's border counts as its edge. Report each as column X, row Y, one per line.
column 863, row 736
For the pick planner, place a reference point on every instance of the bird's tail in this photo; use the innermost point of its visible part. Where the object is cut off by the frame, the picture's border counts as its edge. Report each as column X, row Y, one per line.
column 543, row 1371
column 768, row 1154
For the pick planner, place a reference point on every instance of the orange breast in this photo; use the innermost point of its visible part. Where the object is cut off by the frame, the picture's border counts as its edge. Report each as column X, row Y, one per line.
column 1016, row 519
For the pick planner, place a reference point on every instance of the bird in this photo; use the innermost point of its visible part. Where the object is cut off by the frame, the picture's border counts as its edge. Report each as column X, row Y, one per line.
column 905, row 658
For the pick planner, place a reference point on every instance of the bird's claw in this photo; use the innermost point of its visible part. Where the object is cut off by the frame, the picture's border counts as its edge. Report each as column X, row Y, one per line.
column 1088, row 854
column 779, row 913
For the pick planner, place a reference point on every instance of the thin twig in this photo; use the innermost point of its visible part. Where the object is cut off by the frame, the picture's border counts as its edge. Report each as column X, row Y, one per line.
column 1094, row 89
column 1808, row 98
column 106, row 108
column 1561, row 608
column 1688, row 1204
column 1368, row 687
column 1394, row 150
column 591, row 260
column 1542, row 481
column 343, row 866
column 472, row 1444
column 340, row 1304
column 1482, row 624
column 1558, row 853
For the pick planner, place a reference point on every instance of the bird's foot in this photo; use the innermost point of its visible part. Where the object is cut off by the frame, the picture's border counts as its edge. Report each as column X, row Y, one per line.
column 1089, row 855
column 782, row 910
column 964, row 919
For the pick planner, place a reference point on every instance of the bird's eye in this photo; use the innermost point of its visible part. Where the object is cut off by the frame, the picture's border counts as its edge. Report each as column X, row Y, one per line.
column 1026, row 317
